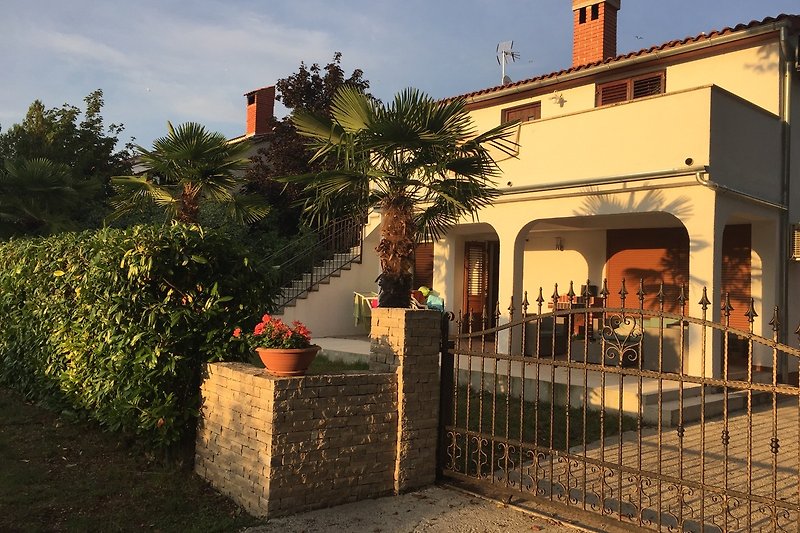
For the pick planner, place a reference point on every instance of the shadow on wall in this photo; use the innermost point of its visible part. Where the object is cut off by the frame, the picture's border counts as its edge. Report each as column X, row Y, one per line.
column 768, row 60
column 599, row 203
column 672, row 268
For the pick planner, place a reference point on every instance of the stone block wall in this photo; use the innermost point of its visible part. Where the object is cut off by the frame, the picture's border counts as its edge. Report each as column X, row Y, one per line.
column 283, row 445
column 279, row 446
column 407, row 341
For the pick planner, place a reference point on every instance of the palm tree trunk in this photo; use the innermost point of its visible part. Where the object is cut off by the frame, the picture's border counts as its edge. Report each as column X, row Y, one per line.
column 396, row 252
column 189, row 208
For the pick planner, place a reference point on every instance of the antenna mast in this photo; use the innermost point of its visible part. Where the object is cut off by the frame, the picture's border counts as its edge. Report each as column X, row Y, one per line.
column 505, row 53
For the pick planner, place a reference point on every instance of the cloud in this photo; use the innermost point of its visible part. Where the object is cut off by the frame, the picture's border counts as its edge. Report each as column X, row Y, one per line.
column 79, row 48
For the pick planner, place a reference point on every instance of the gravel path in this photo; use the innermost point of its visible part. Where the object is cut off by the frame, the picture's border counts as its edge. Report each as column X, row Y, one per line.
column 432, row 510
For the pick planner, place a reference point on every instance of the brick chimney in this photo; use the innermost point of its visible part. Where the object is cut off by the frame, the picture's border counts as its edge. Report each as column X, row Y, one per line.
column 260, row 110
column 595, row 30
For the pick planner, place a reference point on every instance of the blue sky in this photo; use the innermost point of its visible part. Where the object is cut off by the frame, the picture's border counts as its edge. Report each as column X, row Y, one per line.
column 159, row 60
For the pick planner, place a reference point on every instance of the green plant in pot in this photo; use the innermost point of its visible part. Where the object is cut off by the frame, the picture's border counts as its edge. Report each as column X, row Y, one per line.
column 285, row 350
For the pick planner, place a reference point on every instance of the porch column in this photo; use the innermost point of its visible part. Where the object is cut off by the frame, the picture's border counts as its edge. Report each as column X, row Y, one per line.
column 705, row 270
column 765, row 288
column 444, row 271
column 512, row 246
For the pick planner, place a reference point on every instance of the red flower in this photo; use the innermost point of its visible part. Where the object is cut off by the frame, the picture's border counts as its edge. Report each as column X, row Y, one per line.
column 237, row 332
column 259, row 329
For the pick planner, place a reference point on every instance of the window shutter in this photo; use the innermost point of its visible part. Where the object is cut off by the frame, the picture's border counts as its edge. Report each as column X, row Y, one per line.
column 648, row 86
column 613, row 93
column 476, row 268
column 523, row 113
column 629, row 89
column 423, row 265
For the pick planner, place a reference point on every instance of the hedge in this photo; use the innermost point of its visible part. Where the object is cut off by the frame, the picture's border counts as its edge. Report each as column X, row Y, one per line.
column 116, row 324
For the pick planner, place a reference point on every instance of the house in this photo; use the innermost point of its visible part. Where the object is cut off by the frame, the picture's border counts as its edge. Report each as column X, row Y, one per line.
column 673, row 164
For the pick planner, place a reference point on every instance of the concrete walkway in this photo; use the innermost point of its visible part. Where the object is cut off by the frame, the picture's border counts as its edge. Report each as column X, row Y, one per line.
column 432, row 510
column 347, row 349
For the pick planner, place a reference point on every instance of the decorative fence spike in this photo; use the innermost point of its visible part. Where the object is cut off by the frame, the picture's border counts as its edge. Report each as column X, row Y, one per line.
column 555, row 295
column 776, row 321
column 540, row 301
column 604, row 292
column 660, row 294
column 682, row 296
column 704, row 301
column 571, row 292
column 640, row 293
column 586, row 292
column 623, row 292
column 511, row 309
column 525, row 303
column 726, row 305
column 751, row 311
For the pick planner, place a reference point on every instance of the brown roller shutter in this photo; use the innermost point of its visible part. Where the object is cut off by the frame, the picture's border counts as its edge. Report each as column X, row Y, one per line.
column 654, row 255
column 736, row 272
column 423, row 265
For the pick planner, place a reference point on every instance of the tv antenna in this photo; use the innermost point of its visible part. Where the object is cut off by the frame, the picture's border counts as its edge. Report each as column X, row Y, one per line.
column 505, row 53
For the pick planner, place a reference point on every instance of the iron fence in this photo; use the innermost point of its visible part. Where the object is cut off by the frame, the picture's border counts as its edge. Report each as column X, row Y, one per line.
column 650, row 417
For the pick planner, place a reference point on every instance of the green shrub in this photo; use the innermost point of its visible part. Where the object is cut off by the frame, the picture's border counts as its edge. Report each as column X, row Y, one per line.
column 117, row 324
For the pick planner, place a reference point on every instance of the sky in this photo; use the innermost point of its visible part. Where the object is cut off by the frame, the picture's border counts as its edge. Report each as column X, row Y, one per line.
column 160, row 60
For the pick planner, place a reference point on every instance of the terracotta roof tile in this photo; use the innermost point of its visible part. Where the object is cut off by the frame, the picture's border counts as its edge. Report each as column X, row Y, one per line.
column 795, row 19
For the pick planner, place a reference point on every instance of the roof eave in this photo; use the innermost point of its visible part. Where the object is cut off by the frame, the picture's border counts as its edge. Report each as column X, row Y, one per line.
column 620, row 62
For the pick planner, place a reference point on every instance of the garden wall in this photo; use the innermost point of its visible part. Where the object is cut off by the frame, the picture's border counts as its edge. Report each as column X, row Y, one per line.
column 278, row 446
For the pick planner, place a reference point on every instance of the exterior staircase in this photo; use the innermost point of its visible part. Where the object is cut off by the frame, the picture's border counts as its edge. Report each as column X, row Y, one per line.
column 302, row 269
column 320, row 274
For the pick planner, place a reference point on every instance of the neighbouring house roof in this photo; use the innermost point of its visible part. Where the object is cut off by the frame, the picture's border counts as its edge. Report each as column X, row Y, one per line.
column 653, row 50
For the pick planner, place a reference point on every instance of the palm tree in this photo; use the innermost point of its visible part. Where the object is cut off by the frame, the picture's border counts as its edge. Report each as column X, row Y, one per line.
column 37, row 197
column 188, row 167
column 418, row 160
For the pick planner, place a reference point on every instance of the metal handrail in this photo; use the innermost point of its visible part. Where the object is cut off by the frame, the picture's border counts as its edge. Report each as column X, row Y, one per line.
column 309, row 266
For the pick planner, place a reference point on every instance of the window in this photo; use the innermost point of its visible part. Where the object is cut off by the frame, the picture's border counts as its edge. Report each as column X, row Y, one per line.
column 582, row 16
column 523, row 113
column 595, row 11
column 630, row 89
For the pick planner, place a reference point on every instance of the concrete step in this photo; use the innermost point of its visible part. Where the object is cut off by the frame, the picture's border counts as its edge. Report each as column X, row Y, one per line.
column 322, row 274
column 693, row 407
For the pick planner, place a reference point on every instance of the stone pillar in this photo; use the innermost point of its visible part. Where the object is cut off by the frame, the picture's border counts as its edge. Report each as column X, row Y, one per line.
column 407, row 341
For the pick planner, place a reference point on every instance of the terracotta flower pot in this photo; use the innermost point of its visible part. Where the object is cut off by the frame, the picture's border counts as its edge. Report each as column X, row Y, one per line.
column 288, row 361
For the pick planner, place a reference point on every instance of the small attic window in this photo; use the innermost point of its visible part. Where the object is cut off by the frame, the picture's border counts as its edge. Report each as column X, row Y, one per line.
column 582, row 16
column 522, row 113
column 595, row 11
column 251, row 98
column 631, row 88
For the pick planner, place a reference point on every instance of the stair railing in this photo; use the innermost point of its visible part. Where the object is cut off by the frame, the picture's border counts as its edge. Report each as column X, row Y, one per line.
column 302, row 267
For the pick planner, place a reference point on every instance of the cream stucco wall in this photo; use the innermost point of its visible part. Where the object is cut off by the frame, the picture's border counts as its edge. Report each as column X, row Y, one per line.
column 752, row 73
column 582, row 258
column 745, row 146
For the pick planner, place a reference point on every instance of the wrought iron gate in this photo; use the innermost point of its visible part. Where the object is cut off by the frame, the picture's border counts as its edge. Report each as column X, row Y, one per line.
column 641, row 414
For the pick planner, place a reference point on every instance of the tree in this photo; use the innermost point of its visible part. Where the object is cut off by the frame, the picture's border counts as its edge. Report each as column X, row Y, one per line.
column 63, row 136
column 79, row 141
column 418, row 160
column 37, row 197
column 188, row 167
column 309, row 89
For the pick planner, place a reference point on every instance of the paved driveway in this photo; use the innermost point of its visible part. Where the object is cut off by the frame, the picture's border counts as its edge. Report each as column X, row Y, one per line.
column 432, row 510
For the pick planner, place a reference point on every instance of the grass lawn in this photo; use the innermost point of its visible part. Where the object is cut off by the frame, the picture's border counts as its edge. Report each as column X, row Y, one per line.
column 61, row 475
